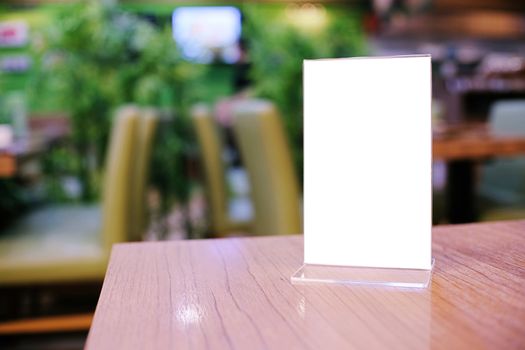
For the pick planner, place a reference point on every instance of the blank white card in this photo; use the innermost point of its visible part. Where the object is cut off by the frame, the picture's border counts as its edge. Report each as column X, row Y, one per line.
column 367, row 167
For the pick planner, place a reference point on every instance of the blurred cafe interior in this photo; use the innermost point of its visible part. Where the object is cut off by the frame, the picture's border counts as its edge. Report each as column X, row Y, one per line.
column 166, row 120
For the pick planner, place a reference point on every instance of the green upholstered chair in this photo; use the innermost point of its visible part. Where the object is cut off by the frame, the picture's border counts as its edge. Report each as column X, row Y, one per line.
column 502, row 180
column 211, row 148
column 61, row 244
column 266, row 154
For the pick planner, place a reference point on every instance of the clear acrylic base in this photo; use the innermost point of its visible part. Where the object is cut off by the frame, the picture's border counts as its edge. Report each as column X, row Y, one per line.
column 404, row 278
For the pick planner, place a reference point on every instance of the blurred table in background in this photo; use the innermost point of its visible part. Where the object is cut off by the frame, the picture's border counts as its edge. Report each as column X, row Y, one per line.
column 12, row 157
column 236, row 293
column 473, row 141
column 42, row 132
column 463, row 146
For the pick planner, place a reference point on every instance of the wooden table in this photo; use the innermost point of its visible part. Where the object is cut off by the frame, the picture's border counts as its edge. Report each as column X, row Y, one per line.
column 43, row 131
column 11, row 157
column 474, row 142
column 236, row 294
column 463, row 147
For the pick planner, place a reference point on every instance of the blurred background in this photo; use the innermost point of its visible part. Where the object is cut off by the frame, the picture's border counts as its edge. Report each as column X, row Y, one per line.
column 141, row 120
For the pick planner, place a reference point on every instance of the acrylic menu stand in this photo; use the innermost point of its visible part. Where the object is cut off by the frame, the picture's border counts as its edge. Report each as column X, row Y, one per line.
column 367, row 172
column 388, row 277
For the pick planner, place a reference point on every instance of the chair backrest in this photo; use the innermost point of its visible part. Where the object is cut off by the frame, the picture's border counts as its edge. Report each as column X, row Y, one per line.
column 211, row 147
column 145, row 134
column 119, row 174
column 266, row 154
column 503, row 180
column 507, row 118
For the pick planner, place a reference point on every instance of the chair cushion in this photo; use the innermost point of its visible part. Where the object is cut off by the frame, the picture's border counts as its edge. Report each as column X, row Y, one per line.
column 504, row 214
column 53, row 244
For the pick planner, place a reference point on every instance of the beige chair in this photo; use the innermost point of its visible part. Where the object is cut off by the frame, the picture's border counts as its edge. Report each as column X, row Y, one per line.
column 210, row 149
column 61, row 244
column 266, row 154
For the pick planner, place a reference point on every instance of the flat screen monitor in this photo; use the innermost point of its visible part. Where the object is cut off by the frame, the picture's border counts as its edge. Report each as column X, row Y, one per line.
column 207, row 34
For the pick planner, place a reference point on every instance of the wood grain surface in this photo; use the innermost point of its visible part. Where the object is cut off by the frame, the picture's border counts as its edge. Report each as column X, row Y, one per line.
column 236, row 293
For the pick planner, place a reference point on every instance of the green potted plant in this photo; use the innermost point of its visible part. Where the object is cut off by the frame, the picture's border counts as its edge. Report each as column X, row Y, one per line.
column 278, row 44
column 97, row 56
